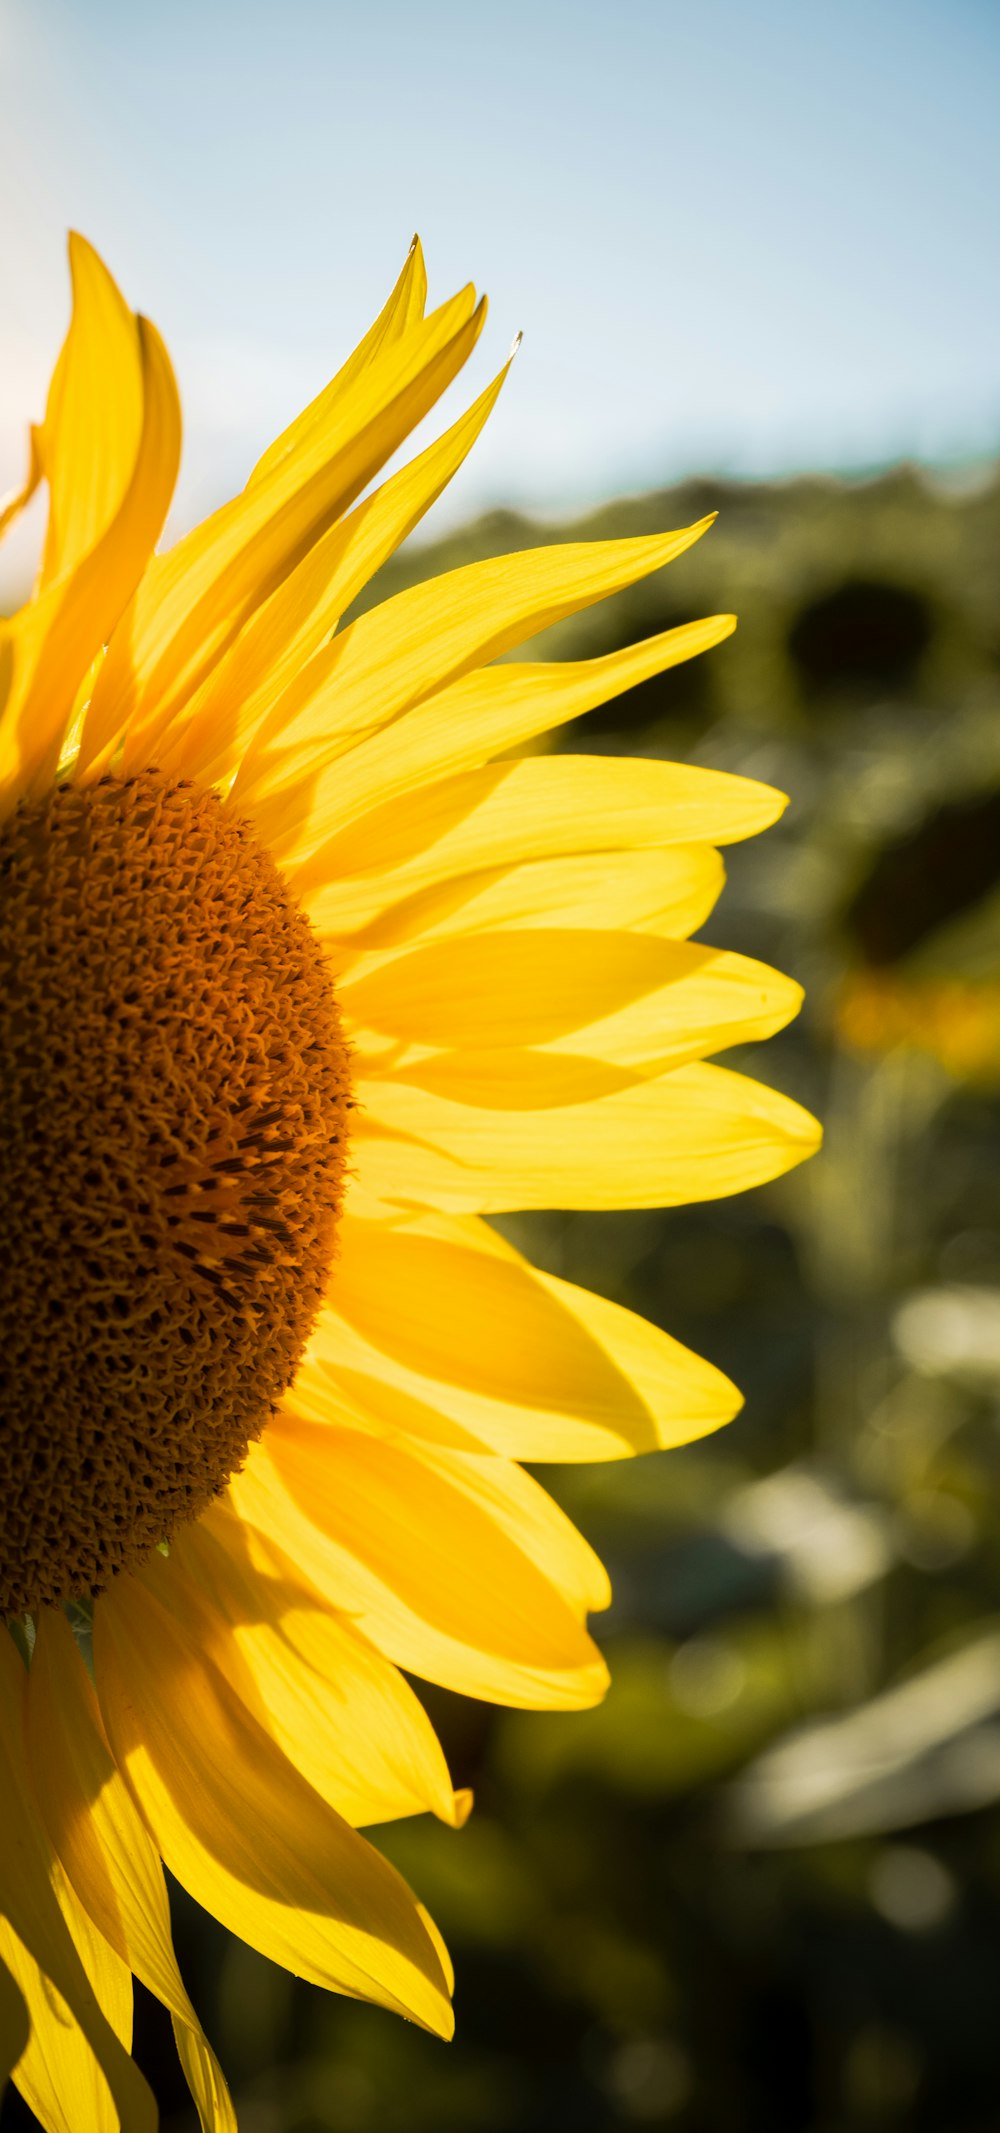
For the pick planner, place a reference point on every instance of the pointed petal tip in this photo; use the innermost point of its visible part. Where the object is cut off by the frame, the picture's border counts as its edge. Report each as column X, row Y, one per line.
column 80, row 250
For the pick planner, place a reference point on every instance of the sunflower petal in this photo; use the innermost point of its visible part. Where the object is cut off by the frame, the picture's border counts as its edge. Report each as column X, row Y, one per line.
column 403, row 309
column 15, row 502
column 228, row 720
column 696, row 1134
column 106, row 1852
column 14, row 2024
column 58, row 2074
column 496, row 1486
column 511, row 813
column 35, row 1916
column 89, row 441
column 669, row 892
column 627, row 997
column 241, row 1830
column 480, row 715
column 446, row 1312
column 56, row 637
column 411, row 646
column 342, row 1714
column 193, row 601
column 491, row 710
column 425, row 1570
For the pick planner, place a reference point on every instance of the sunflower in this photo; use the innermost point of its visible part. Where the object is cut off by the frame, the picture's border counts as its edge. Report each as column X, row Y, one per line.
column 304, row 972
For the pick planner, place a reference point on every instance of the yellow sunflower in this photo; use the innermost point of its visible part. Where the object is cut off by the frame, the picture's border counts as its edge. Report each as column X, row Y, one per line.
column 303, row 972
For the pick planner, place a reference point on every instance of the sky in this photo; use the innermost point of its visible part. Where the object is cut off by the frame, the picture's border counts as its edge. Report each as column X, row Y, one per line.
column 738, row 238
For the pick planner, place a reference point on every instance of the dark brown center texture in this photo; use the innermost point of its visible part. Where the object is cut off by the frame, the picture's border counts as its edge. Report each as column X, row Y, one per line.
column 174, row 1098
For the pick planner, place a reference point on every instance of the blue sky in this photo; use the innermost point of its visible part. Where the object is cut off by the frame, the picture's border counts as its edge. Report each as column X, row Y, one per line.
column 740, row 237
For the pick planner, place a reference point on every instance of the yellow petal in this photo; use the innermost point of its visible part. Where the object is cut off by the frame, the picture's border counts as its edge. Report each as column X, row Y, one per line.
column 14, row 503
column 718, row 1002
column 105, row 1848
column 345, row 1717
column 403, row 310
column 56, row 638
column 241, row 1830
column 446, row 1312
column 193, row 601
column 36, row 1919
column 709, row 1001
column 14, row 2023
column 479, row 715
column 94, row 418
column 279, row 659
column 696, row 1134
column 425, row 1571
column 58, row 2075
column 667, row 892
column 412, row 645
column 510, row 813
column 627, row 997
column 496, row 1486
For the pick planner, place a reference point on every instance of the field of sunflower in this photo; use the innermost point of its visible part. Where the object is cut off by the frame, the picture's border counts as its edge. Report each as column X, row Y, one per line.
column 758, row 1886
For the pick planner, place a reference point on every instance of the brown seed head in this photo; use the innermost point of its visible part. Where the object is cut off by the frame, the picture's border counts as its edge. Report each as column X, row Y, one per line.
column 174, row 1097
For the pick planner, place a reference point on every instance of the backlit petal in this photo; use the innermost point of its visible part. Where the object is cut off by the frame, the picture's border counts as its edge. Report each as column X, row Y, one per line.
column 57, row 636
column 668, row 892
column 224, row 730
column 14, row 2023
column 509, row 1497
column 510, row 813
column 106, row 1850
column 58, row 2074
column 343, row 1715
column 622, row 996
column 34, row 1913
column 445, row 1311
column 194, row 600
column 16, row 500
column 238, row 1826
column 89, row 440
column 465, row 723
column 403, row 309
column 698, row 1133
column 412, row 645
column 425, row 1570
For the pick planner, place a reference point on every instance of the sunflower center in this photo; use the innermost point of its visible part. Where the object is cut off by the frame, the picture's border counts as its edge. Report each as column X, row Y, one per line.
column 174, row 1096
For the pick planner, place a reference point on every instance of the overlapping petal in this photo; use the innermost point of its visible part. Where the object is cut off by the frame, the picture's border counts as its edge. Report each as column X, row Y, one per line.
column 393, row 1533
column 392, row 658
column 15, row 2024
column 694, row 1134
column 58, row 2074
column 443, row 1310
column 669, row 892
column 280, row 656
column 480, row 715
column 47, row 1930
column 511, row 813
column 241, row 1829
column 106, row 1851
column 193, row 601
column 341, row 1712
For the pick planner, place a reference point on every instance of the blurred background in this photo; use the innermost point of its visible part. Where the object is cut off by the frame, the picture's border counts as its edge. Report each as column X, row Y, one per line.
column 754, row 252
